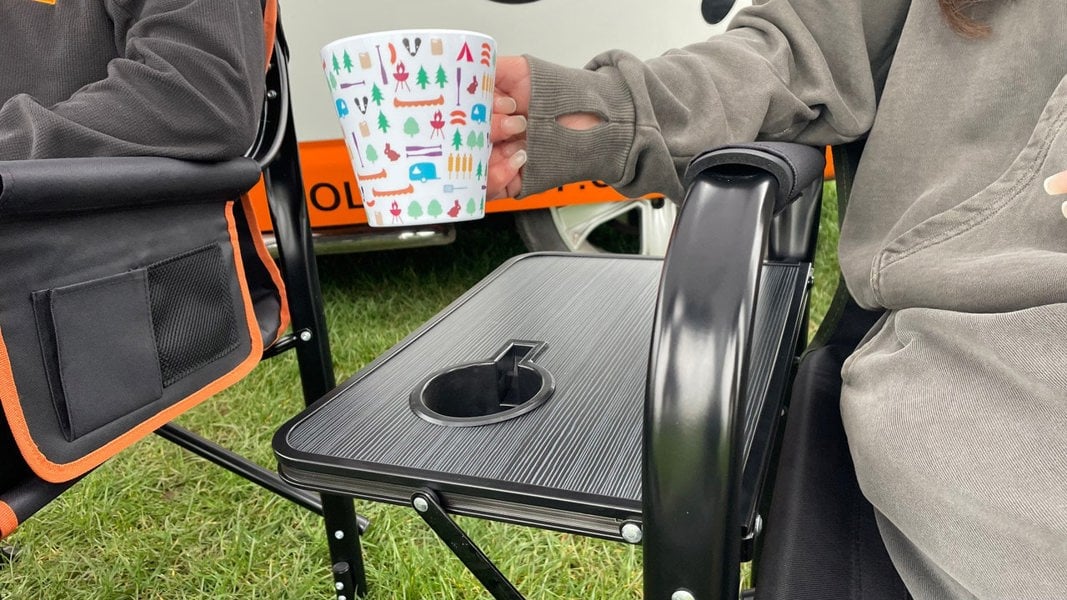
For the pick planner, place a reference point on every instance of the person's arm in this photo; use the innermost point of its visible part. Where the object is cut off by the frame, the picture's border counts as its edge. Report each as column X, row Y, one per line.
column 188, row 84
column 800, row 70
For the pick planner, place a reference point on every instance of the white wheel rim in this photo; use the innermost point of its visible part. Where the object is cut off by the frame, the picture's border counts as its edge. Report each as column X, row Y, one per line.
column 575, row 223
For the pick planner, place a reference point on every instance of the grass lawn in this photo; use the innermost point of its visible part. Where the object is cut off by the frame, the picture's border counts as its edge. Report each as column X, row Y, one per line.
column 157, row 522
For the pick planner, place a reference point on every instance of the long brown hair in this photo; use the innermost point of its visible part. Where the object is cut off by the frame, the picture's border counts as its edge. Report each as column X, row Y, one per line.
column 957, row 13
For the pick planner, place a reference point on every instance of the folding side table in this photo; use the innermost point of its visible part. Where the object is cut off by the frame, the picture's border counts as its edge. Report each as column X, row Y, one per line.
column 529, row 399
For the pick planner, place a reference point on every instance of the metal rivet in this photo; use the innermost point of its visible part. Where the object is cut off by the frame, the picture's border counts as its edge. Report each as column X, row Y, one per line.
column 420, row 504
column 339, row 586
column 631, row 532
column 341, row 597
column 339, row 534
column 758, row 527
column 305, row 336
column 272, row 94
column 683, row 595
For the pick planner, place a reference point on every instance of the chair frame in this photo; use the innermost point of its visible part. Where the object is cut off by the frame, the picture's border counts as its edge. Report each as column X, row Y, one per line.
column 742, row 206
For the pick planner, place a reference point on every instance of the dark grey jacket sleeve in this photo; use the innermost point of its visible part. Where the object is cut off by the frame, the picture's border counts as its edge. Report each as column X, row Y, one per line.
column 799, row 70
column 187, row 83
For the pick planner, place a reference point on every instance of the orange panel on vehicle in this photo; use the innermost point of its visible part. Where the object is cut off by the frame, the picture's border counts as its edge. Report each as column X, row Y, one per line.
column 332, row 193
column 334, row 198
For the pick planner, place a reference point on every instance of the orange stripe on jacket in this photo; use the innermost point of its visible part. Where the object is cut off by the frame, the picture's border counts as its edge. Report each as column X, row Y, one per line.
column 62, row 472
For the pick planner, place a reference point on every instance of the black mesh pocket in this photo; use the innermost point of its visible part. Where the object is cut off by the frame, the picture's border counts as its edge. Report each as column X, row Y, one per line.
column 192, row 311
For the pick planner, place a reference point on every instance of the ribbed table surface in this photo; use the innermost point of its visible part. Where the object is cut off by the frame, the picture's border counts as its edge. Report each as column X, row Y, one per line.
column 594, row 313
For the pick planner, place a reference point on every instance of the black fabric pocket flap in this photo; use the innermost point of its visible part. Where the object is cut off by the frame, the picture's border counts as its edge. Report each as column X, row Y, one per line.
column 105, row 352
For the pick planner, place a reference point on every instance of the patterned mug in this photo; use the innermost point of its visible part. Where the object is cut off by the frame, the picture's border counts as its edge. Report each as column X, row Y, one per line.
column 415, row 107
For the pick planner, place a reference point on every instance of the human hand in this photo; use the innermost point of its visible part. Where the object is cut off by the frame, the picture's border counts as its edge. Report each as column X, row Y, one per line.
column 1057, row 184
column 511, row 103
column 511, row 107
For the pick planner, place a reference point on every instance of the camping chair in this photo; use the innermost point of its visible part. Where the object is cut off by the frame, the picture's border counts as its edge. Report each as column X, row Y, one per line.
column 632, row 399
column 135, row 288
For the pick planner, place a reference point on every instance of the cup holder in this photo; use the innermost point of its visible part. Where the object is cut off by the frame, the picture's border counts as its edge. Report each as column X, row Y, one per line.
column 491, row 391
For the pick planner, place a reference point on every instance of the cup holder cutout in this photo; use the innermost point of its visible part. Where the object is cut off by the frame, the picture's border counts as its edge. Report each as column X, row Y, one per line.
column 485, row 392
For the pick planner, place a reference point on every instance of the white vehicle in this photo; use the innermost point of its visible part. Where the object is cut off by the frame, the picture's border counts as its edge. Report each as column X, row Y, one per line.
column 569, row 32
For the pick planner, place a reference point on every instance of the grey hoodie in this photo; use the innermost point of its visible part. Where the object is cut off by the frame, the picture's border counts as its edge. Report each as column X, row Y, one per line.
column 956, row 406
column 179, row 78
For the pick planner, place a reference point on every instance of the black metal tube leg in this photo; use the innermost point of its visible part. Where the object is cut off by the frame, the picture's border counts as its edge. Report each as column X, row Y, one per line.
column 346, row 556
column 426, row 503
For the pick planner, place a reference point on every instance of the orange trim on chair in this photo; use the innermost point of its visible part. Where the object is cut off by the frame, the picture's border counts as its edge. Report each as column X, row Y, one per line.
column 271, row 266
column 62, row 472
column 270, row 28
column 9, row 521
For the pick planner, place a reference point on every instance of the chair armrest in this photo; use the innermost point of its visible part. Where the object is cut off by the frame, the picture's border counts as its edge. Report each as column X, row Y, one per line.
column 794, row 166
column 52, row 186
column 703, row 324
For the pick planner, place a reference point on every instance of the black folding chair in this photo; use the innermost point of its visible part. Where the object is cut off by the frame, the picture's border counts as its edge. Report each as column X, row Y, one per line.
column 113, row 264
column 631, row 399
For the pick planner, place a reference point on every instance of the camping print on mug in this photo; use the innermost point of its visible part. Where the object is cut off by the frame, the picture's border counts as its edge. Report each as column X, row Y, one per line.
column 415, row 108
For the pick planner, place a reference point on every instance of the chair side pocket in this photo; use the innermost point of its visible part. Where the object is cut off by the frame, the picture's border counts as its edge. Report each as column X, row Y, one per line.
column 193, row 316
column 105, row 354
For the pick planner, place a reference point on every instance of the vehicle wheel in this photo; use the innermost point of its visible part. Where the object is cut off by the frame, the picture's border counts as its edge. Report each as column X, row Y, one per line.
column 639, row 226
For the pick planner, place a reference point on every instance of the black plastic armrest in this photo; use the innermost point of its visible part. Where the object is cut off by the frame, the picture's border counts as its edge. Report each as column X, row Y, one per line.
column 703, row 323
column 794, row 166
column 47, row 186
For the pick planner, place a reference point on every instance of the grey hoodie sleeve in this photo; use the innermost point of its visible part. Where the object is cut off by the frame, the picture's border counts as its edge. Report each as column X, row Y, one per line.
column 800, row 70
column 188, row 83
